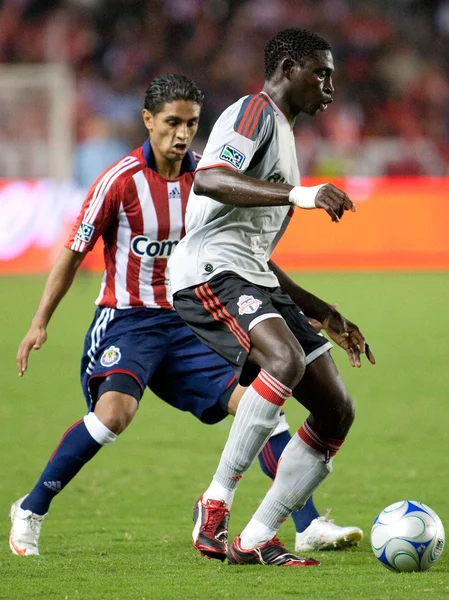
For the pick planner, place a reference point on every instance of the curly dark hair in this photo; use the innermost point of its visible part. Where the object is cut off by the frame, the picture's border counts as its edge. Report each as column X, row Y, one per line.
column 295, row 43
column 168, row 88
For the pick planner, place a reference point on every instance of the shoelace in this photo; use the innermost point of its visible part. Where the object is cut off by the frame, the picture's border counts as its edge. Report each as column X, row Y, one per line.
column 214, row 518
column 35, row 523
column 325, row 518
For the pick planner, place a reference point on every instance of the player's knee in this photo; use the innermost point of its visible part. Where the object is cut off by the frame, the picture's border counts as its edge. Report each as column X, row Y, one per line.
column 345, row 414
column 117, row 421
column 287, row 363
column 116, row 410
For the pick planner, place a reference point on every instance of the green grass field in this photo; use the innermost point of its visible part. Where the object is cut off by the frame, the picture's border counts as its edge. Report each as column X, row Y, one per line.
column 121, row 530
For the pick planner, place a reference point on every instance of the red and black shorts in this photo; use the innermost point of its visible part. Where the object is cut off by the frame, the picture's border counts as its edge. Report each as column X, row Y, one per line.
column 223, row 310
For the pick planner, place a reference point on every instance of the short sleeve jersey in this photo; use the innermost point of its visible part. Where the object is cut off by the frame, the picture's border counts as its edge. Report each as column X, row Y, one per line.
column 140, row 216
column 252, row 137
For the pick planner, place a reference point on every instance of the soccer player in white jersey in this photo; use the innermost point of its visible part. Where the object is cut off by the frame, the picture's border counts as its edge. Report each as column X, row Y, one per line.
column 136, row 338
column 244, row 307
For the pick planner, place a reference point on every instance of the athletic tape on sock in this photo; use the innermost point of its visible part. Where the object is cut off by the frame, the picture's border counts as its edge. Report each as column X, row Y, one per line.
column 101, row 434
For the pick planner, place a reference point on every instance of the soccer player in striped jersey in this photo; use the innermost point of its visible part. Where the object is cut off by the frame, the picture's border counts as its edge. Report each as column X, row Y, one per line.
column 243, row 306
column 136, row 338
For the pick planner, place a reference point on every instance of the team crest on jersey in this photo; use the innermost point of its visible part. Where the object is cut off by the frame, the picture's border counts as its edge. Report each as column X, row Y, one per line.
column 248, row 305
column 233, row 156
column 85, row 232
column 111, row 356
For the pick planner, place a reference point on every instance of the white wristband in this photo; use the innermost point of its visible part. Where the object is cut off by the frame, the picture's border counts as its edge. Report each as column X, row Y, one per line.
column 304, row 197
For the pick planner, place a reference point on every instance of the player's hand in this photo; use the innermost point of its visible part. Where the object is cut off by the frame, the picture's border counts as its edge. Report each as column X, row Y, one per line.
column 318, row 325
column 334, row 201
column 34, row 339
column 349, row 337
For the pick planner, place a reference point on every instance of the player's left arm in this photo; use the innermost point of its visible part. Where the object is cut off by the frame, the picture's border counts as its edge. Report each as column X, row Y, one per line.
column 342, row 331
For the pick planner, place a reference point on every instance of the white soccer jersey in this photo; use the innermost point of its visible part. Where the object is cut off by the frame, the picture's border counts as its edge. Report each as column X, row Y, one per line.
column 255, row 138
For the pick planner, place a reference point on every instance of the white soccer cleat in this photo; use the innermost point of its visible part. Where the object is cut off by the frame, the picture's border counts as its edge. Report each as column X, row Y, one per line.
column 323, row 534
column 25, row 530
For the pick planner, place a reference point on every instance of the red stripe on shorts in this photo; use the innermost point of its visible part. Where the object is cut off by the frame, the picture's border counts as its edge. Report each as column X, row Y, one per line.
column 219, row 312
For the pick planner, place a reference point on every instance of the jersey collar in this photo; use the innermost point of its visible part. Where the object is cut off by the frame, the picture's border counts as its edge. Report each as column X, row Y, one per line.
column 276, row 108
column 188, row 162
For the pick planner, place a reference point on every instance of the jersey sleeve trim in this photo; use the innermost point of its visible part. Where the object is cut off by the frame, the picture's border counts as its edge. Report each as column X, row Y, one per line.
column 252, row 115
column 88, row 223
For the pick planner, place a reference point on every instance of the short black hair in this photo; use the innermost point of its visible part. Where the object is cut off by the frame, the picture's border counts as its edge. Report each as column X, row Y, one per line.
column 168, row 88
column 295, row 43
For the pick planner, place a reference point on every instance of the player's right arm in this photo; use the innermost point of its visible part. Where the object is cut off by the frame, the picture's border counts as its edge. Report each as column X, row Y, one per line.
column 58, row 283
column 236, row 189
column 238, row 142
column 98, row 213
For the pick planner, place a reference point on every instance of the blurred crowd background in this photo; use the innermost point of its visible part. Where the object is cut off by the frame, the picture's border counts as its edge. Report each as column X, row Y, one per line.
column 391, row 109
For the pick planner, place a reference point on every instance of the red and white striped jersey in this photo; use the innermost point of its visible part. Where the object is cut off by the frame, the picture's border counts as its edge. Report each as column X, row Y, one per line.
column 140, row 216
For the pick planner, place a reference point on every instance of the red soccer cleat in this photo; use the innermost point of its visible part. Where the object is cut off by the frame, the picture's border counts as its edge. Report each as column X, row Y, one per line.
column 210, row 534
column 270, row 553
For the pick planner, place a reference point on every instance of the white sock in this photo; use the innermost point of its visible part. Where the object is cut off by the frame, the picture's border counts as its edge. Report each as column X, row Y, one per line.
column 217, row 492
column 281, row 426
column 257, row 416
column 300, row 471
column 101, row 434
column 254, row 532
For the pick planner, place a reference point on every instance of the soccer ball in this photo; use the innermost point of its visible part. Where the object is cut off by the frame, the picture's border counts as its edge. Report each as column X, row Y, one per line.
column 407, row 536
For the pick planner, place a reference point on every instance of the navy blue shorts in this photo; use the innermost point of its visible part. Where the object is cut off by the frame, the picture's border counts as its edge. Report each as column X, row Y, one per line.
column 157, row 349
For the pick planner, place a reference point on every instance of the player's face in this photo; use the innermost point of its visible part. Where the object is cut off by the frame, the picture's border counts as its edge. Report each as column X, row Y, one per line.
column 172, row 129
column 311, row 84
